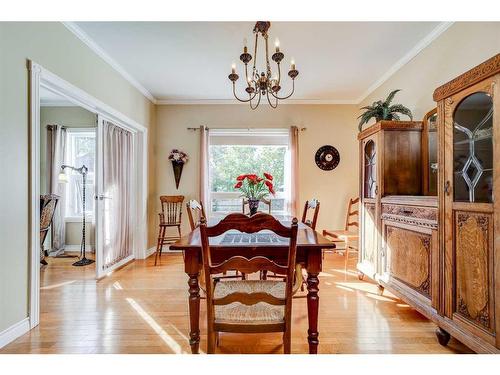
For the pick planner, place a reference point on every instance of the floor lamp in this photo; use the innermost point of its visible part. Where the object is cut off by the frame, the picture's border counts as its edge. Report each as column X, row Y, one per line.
column 83, row 170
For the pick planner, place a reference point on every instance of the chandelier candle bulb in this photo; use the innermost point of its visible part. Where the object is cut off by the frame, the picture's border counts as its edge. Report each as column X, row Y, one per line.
column 292, row 63
column 277, row 45
column 233, row 68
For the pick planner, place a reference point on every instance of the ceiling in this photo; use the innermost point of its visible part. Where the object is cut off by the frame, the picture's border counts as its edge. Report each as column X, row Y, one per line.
column 188, row 62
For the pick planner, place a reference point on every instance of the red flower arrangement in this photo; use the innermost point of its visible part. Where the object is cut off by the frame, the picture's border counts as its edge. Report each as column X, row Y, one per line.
column 255, row 187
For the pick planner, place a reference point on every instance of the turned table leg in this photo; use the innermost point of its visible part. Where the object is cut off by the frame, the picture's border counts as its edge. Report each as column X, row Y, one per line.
column 194, row 312
column 312, row 311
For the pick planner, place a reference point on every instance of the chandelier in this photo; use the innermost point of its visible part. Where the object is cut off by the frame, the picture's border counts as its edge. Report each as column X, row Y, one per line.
column 263, row 83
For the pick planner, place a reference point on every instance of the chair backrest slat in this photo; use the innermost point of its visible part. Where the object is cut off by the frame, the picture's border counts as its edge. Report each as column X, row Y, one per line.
column 351, row 212
column 245, row 265
column 250, row 299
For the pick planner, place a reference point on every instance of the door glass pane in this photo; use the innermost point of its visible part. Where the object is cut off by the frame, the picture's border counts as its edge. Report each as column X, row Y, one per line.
column 370, row 171
column 473, row 149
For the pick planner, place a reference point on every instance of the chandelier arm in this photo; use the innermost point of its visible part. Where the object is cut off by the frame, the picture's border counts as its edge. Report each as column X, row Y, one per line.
column 255, row 51
column 269, row 101
column 246, row 74
column 285, row 97
column 242, row 100
column 258, row 101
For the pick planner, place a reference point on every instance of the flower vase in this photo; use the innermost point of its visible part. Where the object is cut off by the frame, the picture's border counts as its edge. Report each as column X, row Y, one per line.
column 253, row 204
column 177, row 166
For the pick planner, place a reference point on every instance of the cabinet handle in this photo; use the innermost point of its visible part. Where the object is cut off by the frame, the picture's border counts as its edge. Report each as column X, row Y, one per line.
column 376, row 190
column 447, row 188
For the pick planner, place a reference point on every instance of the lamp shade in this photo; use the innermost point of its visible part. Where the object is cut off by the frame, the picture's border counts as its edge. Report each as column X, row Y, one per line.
column 63, row 178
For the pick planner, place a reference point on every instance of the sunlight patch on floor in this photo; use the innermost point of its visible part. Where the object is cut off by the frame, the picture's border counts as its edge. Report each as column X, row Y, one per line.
column 57, row 285
column 169, row 340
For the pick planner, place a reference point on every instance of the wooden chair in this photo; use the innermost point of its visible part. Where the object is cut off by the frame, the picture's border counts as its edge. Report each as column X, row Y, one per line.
column 312, row 204
column 195, row 212
column 267, row 202
column 347, row 237
column 48, row 204
column 248, row 306
column 170, row 217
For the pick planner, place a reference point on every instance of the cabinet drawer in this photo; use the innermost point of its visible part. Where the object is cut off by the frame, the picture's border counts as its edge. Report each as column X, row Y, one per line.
column 413, row 215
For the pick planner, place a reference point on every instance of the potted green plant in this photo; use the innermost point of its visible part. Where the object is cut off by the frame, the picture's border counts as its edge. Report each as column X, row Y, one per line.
column 383, row 110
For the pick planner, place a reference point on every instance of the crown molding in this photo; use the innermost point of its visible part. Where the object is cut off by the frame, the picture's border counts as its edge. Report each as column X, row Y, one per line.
column 436, row 32
column 85, row 38
column 235, row 102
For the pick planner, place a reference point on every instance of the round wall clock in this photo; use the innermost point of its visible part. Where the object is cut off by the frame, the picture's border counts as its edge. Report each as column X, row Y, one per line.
column 327, row 158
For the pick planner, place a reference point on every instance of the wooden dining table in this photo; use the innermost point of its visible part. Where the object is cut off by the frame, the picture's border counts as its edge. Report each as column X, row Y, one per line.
column 309, row 254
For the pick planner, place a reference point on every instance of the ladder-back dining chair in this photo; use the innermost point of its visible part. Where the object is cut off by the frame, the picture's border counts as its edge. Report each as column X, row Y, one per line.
column 170, row 217
column 248, row 306
column 311, row 205
column 349, row 236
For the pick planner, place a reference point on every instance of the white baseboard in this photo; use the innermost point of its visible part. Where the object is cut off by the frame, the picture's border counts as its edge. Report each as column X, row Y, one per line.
column 149, row 252
column 14, row 331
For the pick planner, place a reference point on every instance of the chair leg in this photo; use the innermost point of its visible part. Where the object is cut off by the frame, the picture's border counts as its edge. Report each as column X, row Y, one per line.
column 159, row 245
column 346, row 256
column 287, row 341
column 179, row 230
column 264, row 274
column 211, row 340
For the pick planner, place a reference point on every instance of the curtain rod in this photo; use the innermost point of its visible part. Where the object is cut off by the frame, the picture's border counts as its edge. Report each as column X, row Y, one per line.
column 195, row 129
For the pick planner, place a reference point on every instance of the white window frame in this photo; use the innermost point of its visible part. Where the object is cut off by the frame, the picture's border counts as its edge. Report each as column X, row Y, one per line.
column 71, row 217
column 251, row 137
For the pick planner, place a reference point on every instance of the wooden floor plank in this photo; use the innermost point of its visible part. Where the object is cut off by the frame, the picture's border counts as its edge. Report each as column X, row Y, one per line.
column 143, row 309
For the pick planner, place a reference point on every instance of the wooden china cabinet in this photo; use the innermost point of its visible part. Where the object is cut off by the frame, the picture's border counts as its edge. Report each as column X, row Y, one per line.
column 469, row 206
column 390, row 164
column 430, row 212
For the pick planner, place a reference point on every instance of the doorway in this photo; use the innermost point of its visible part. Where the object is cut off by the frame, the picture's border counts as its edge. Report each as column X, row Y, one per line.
column 91, row 134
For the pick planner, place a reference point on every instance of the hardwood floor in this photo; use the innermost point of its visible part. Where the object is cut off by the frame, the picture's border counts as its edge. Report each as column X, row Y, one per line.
column 143, row 309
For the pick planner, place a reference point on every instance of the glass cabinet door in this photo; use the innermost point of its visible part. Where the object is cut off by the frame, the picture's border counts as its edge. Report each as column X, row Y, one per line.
column 473, row 149
column 370, row 170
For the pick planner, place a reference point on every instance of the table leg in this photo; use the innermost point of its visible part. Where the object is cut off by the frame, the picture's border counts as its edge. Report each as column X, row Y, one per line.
column 194, row 312
column 312, row 311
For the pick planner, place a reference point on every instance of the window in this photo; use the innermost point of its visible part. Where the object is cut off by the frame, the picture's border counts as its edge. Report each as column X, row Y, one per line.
column 80, row 150
column 236, row 151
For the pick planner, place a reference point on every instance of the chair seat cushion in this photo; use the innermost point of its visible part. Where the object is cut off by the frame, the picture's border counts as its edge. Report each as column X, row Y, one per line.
column 260, row 313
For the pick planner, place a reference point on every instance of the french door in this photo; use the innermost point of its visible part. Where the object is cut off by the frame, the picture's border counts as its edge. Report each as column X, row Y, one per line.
column 115, row 192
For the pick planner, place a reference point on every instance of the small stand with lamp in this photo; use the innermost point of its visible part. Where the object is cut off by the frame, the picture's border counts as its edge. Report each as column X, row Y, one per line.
column 83, row 170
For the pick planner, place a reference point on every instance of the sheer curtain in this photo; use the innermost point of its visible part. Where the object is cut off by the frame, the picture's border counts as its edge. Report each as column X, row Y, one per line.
column 204, row 193
column 117, row 179
column 56, row 150
column 294, row 175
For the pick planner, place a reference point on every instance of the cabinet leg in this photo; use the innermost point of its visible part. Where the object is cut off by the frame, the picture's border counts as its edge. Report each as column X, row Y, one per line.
column 442, row 336
column 380, row 289
column 361, row 275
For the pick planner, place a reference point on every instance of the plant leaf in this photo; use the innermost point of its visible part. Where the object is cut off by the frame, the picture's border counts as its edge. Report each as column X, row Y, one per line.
column 399, row 108
column 390, row 97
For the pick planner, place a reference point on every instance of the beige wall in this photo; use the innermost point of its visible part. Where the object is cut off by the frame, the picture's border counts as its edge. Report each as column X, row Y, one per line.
column 58, row 50
column 460, row 48
column 70, row 117
column 326, row 124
